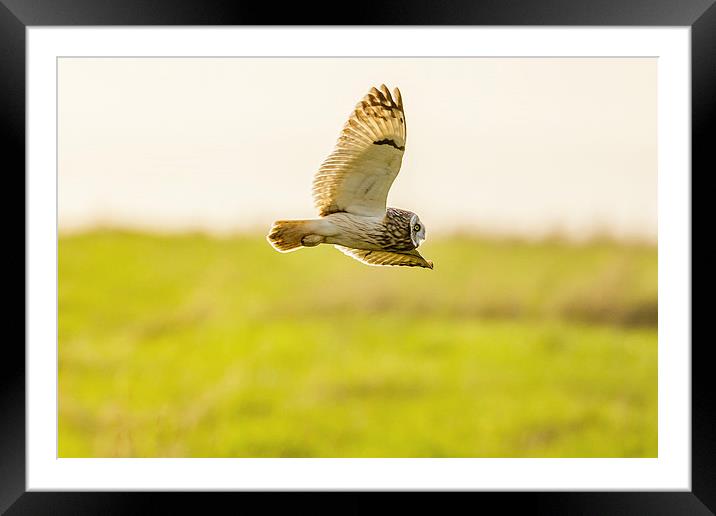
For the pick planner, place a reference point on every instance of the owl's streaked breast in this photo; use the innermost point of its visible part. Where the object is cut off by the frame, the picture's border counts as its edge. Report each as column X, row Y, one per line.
column 396, row 235
column 390, row 232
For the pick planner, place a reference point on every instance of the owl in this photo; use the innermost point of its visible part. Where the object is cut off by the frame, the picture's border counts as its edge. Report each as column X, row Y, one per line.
column 351, row 187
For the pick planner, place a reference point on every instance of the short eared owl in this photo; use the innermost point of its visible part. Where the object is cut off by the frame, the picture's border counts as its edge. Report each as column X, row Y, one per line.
column 351, row 187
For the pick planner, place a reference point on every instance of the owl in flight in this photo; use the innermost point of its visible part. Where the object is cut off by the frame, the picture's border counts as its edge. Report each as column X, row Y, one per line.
column 350, row 191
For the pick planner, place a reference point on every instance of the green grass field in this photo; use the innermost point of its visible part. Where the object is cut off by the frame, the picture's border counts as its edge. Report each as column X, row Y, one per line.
column 188, row 346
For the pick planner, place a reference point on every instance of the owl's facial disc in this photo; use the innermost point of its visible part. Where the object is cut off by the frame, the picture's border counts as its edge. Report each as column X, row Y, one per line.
column 417, row 231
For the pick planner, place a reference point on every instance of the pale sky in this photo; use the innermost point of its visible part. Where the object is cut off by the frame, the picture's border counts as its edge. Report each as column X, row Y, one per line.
column 521, row 146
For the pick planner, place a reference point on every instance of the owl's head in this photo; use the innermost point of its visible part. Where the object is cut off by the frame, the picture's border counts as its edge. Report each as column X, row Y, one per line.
column 417, row 230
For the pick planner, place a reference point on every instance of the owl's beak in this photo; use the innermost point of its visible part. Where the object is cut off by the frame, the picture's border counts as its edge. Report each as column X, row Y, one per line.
column 421, row 236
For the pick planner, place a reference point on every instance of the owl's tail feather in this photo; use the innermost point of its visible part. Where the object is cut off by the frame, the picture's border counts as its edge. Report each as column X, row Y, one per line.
column 289, row 235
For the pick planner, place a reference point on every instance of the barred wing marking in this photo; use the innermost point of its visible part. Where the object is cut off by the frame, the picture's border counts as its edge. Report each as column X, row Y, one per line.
column 378, row 258
column 358, row 174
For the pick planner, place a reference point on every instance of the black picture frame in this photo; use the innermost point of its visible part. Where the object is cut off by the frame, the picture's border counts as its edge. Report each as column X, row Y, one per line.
column 16, row 15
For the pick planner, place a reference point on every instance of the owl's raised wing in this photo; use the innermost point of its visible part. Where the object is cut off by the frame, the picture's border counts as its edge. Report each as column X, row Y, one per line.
column 406, row 259
column 356, row 177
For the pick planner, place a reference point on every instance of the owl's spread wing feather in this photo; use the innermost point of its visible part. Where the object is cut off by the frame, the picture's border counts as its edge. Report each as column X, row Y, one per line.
column 356, row 177
column 406, row 259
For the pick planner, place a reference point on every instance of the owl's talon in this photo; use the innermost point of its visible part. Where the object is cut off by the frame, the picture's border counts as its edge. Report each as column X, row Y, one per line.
column 312, row 240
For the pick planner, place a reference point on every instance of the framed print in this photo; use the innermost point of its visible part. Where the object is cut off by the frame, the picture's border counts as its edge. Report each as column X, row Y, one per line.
column 511, row 307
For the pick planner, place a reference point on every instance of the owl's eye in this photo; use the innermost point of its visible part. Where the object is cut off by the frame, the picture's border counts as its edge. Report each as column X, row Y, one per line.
column 416, row 227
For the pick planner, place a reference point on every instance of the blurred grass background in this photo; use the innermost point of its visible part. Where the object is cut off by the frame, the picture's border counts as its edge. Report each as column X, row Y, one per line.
column 193, row 346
